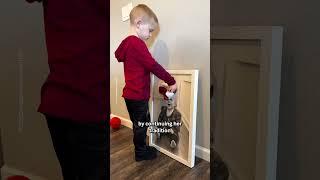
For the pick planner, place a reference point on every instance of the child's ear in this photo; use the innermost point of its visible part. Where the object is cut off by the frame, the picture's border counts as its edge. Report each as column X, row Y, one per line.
column 138, row 22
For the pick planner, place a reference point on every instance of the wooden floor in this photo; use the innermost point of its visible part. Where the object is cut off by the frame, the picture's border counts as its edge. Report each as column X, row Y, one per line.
column 123, row 165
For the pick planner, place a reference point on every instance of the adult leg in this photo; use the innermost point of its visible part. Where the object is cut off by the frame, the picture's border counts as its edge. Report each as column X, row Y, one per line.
column 59, row 129
column 89, row 142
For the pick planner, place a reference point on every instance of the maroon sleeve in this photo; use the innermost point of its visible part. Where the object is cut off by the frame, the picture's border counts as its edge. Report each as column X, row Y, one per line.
column 161, row 73
column 145, row 58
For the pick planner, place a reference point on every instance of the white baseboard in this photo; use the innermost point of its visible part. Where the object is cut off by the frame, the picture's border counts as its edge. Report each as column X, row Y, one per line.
column 201, row 152
column 6, row 170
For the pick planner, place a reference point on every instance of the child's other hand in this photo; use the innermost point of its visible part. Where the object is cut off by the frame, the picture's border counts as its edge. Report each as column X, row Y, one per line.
column 173, row 88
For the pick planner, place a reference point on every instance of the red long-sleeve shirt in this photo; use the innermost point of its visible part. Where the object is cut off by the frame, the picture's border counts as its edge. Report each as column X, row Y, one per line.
column 77, row 45
column 138, row 63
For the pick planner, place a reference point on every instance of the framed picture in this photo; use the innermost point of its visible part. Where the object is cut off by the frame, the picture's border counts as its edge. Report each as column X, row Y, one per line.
column 172, row 128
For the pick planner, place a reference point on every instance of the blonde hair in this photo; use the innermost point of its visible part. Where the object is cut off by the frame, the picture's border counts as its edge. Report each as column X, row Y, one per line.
column 144, row 12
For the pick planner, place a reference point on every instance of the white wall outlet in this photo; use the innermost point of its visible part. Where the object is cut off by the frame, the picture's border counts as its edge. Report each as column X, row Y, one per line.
column 126, row 11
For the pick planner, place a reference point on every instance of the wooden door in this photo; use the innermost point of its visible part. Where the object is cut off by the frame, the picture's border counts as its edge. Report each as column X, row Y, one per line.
column 246, row 74
column 236, row 70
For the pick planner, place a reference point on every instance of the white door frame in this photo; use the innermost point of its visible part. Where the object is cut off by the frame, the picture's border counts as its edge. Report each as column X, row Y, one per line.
column 270, row 38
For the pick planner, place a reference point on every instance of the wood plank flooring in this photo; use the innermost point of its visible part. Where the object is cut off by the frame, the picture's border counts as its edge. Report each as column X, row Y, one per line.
column 123, row 166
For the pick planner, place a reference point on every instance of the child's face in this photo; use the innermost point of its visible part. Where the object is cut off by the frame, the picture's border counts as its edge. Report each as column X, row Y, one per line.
column 144, row 30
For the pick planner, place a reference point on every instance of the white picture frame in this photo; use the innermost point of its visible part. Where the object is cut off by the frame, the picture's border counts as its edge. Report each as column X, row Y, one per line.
column 187, row 158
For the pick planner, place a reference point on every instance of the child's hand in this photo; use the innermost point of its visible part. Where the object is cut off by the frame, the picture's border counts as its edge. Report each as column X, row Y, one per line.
column 173, row 88
column 163, row 84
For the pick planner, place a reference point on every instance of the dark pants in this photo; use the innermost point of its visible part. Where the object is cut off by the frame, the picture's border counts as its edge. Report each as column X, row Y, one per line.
column 81, row 148
column 138, row 112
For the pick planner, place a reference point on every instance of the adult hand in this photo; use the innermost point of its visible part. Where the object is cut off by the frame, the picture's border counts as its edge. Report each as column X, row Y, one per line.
column 173, row 88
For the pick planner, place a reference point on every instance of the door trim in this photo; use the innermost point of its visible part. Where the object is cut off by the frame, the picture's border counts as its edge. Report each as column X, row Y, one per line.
column 269, row 90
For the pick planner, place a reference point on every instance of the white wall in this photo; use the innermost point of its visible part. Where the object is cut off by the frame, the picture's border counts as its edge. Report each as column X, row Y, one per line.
column 182, row 43
column 22, row 31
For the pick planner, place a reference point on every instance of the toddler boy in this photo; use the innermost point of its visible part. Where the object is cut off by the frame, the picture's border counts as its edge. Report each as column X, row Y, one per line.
column 138, row 63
